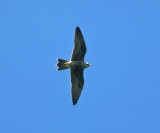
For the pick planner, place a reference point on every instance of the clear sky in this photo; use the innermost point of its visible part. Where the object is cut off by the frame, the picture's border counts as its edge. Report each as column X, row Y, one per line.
column 121, row 93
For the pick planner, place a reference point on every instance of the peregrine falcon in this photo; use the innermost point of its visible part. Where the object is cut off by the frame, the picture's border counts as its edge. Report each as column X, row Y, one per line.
column 76, row 65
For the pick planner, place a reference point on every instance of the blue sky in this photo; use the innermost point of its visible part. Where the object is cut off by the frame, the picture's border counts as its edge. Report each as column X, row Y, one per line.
column 122, row 87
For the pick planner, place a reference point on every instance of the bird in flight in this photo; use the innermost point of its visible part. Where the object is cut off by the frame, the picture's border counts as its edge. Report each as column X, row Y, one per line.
column 76, row 65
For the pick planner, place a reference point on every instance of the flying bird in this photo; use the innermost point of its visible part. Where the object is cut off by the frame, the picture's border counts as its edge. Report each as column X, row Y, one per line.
column 76, row 65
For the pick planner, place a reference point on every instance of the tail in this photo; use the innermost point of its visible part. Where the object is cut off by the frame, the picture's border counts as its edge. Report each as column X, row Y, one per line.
column 62, row 64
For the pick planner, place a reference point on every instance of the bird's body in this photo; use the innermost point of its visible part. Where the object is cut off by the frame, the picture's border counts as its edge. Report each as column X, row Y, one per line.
column 76, row 65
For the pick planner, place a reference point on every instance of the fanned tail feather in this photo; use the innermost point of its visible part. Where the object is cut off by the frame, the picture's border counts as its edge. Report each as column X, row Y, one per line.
column 62, row 64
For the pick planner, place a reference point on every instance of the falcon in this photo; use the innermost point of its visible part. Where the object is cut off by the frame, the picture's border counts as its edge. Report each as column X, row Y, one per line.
column 76, row 65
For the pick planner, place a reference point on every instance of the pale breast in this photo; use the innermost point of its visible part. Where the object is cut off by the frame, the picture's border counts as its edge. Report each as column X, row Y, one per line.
column 77, row 65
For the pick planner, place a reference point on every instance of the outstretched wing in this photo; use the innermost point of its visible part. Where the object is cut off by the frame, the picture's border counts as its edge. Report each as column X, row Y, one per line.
column 79, row 49
column 77, row 82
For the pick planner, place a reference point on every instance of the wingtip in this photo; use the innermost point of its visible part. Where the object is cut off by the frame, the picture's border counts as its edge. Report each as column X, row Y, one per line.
column 74, row 103
column 77, row 28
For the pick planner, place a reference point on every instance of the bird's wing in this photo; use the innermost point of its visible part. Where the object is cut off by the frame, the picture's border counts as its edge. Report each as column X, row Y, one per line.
column 79, row 49
column 77, row 82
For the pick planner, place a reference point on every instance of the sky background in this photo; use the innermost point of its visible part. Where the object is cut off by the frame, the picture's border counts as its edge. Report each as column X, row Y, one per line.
column 121, row 93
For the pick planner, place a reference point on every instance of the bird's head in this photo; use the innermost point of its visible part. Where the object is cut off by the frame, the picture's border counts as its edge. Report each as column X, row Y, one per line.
column 87, row 64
